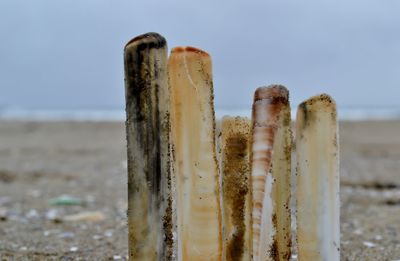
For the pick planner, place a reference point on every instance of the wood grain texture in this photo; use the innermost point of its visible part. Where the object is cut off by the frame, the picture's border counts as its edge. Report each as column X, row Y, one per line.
column 147, row 130
column 195, row 166
column 270, row 173
column 318, row 206
column 236, row 196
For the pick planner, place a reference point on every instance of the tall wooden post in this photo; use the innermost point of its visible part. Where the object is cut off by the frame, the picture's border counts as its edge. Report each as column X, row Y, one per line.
column 236, row 194
column 271, row 168
column 318, row 206
column 147, row 131
column 195, row 165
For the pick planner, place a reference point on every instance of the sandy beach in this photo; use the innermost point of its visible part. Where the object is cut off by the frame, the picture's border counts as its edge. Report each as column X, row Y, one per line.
column 86, row 161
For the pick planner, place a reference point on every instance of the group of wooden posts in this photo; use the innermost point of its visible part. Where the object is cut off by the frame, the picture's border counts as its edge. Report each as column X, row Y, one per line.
column 198, row 193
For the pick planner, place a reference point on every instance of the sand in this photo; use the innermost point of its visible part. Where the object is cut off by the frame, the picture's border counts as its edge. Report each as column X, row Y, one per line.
column 40, row 161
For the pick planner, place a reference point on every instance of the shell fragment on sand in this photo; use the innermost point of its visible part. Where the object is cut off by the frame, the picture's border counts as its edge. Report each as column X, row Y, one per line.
column 90, row 216
column 147, row 130
column 270, row 173
column 66, row 200
column 236, row 195
column 318, row 206
column 195, row 167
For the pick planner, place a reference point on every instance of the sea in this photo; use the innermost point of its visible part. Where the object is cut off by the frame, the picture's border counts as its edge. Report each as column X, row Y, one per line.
column 24, row 114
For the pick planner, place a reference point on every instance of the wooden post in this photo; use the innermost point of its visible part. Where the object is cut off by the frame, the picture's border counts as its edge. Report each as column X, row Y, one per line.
column 147, row 131
column 236, row 196
column 195, row 165
column 271, row 168
column 318, row 206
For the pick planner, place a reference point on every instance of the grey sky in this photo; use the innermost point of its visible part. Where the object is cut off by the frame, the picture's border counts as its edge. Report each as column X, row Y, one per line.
column 68, row 54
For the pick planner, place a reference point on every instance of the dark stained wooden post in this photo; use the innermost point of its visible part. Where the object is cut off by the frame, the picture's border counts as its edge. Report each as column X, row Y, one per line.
column 147, row 132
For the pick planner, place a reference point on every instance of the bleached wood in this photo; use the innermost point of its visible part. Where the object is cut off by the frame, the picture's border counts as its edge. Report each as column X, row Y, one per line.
column 195, row 165
column 318, row 206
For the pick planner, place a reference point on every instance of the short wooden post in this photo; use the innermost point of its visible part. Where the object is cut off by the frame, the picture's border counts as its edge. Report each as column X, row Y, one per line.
column 271, row 168
column 318, row 206
column 147, row 131
column 236, row 194
column 195, row 165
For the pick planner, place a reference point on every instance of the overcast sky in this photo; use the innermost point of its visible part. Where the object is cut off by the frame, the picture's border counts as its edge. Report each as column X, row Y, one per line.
column 68, row 53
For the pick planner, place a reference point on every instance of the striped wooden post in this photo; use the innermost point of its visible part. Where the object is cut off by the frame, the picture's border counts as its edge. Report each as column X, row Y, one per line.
column 147, row 132
column 195, row 166
column 271, row 167
column 318, row 206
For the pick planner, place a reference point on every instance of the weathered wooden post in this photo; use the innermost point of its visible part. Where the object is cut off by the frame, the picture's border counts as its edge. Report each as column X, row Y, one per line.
column 195, row 166
column 236, row 194
column 147, row 131
column 271, row 167
column 318, row 206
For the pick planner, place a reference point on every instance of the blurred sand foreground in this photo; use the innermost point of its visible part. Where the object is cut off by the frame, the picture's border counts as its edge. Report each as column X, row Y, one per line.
column 87, row 161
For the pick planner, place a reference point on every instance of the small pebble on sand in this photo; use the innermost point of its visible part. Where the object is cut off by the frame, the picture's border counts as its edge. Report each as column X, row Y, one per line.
column 3, row 214
column 369, row 244
column 108, row 233
column 32, row 214
column 66, row 235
